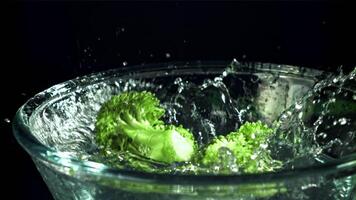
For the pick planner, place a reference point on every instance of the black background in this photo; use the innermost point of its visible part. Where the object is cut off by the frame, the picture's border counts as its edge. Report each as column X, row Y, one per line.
column 45, row 43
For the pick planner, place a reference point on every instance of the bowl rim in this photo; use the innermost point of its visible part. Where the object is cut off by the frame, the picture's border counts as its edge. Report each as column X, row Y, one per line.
column 39, row 151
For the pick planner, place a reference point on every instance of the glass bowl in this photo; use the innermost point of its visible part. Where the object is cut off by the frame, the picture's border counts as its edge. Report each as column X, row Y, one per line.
column 53, row 142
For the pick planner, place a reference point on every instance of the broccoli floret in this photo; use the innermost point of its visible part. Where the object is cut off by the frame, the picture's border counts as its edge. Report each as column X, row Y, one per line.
column 249, row 147
column 131, row 122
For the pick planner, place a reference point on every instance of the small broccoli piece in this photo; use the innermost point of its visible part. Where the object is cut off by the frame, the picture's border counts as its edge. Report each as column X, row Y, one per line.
column 248, row 145
column 131, row 122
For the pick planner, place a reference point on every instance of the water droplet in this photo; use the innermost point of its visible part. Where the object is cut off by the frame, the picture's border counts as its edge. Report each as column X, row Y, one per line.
column 342, row 121
column 322, row 135
column 7, row 120
column 254, row 156
column 223, row 98
column 218, row 79
column 298, row 106
column 119, row 30
column 253, row 136
column 308, row 186
column 168, row 55
column 264, row 146
column 124, row 63
column 244, row 56
column 178, row 80
column 300, row 115
column 224, row 74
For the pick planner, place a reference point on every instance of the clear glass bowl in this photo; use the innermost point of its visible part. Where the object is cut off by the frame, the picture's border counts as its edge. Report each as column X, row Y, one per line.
column 70, row 177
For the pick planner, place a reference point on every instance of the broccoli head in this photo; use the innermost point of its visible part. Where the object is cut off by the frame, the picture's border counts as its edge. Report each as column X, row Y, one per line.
column 248, row 145
column 131, row 122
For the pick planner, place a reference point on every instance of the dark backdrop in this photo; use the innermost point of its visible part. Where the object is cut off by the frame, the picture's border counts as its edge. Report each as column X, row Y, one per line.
column 49, row 42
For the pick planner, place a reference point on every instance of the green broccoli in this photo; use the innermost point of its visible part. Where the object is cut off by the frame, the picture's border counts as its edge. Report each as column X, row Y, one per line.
column 249, row 147
column 131, row 122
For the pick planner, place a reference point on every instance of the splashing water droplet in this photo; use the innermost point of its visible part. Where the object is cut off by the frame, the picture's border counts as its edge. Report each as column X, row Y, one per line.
column 124, row 63
column 224, row 74
column 322, row 135
column 7, row 120
column 342, row 121
column 168, row 55
column 223, row 98
column 298, row 106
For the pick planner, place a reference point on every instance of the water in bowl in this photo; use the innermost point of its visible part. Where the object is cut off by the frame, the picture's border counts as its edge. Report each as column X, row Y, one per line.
column 314, row 123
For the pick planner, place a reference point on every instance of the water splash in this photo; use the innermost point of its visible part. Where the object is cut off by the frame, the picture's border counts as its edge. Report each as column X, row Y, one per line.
column 312, row 129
